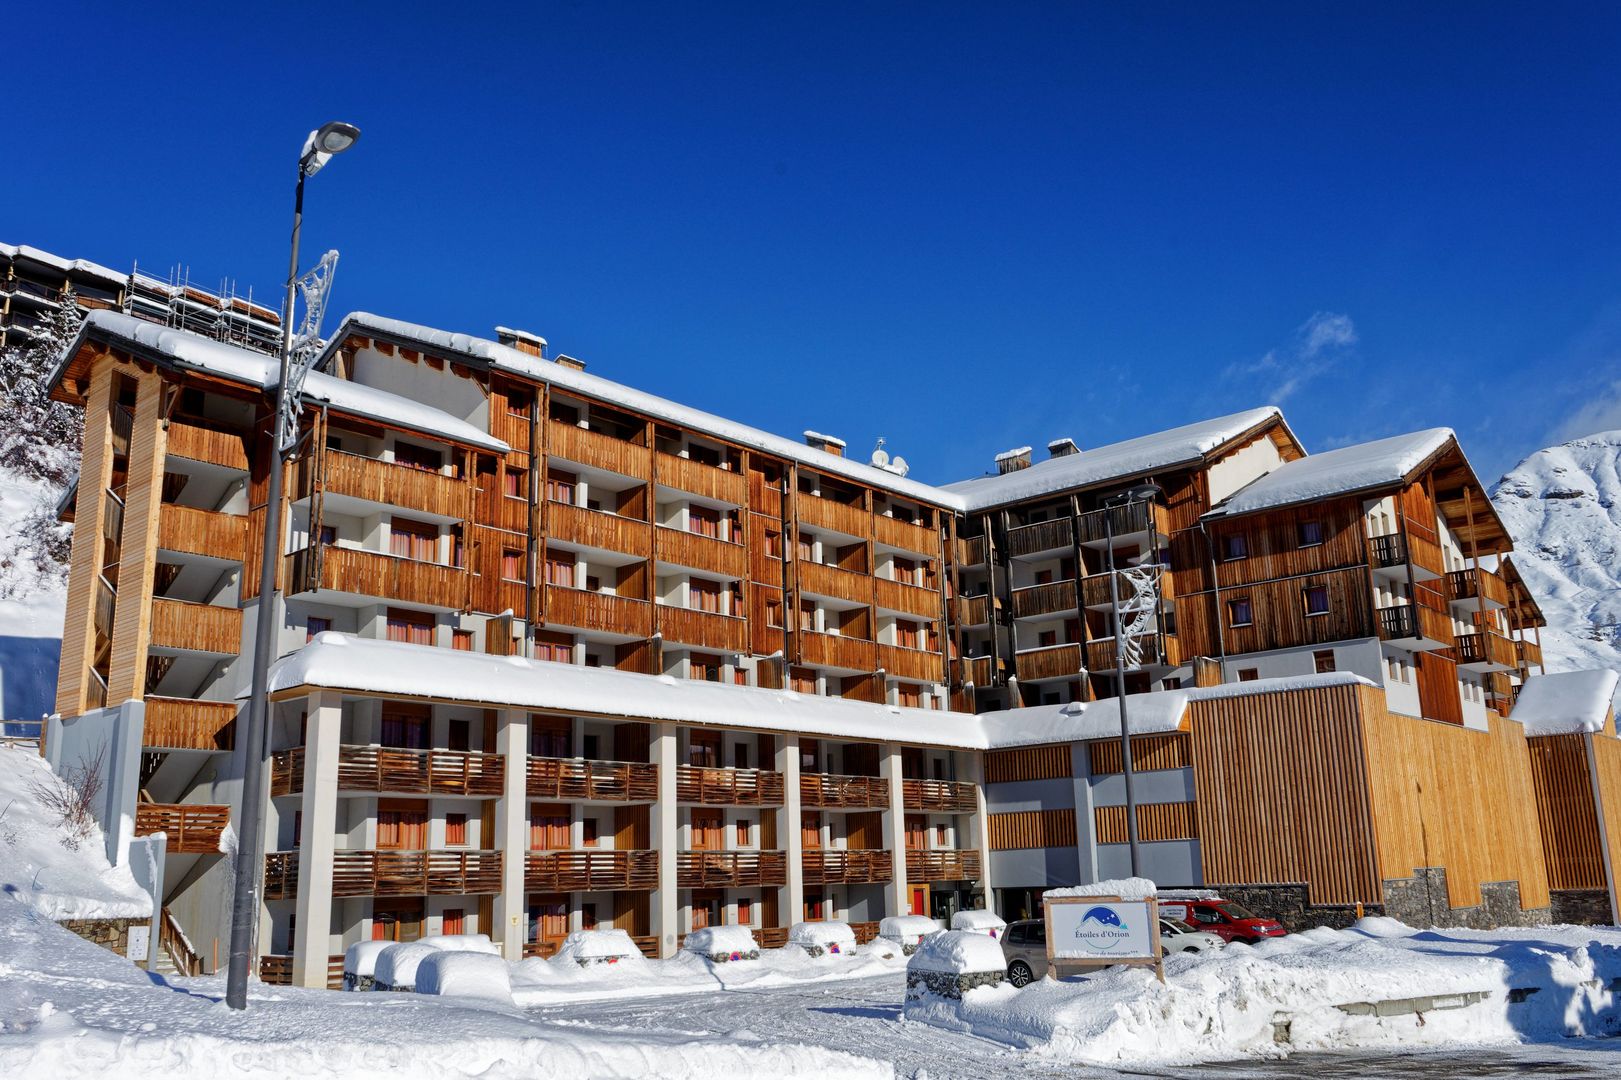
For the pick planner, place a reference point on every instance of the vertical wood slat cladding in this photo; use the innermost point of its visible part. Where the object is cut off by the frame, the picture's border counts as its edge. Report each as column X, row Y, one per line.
column 1031, row 829
column 1155, row 821
column 1607, row 759
column 1438, row 687
column 1565, row 812
column 84, row 560
column 1029, row 763
column 1148, row 753
column 143, row 505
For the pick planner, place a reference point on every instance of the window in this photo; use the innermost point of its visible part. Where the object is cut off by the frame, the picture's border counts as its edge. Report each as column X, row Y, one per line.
column 413, row 539
column 512, row 564
column 1239, row 612
column 910, row 695
column 560, row 568
column 1316, row 599
column 773, row 613
column 802, row 680
column 455, row 829
column 908, row 635
column 459, row 736
column 461, row 640
column 417, row 457
column 413, row 627
column 402, row 828
column 804, row 553
column 703, row 521
column 512, row 483
column 560, row 486
column 810, row 830
column 703, row 595
column 1248, row 674
column 589, row 836
column 807, row 615
column 1309, row 534
column 455, row 921
column 773, row 544
column 744, row 834
column 558, row 648
column 518, row 401
column 1235, row 546
column 907, row 571
column 329, row 535
column 1044, row 577
column 704, row 668
column 940, row 837
column 1323, row 660
column 548, row 827
column 405, row 731
column 315, row 624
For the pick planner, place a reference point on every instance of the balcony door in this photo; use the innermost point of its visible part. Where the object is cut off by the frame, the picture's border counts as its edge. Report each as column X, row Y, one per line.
column 405, row 730
column 708, row 830
column 397, row 920
column 704, row 749
column 402, row 825
column 917, row 829
column 548, row 917
column 706, row 908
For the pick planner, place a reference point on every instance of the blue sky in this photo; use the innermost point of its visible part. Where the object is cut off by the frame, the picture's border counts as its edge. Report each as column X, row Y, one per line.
column 1075, row 220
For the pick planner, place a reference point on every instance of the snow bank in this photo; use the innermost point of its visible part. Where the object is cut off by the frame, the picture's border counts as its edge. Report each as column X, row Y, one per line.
column 729, row 942
column 360, row 959
column 598, row 946
column 830, row 936
column 1566, row 702
column 477, row 943
column 39, row 869
column 984, row 922
column 957, row 952
column 396, row 966
column 907, row 929
column 1131, row 888
column 1376, row 985
column 465, row 974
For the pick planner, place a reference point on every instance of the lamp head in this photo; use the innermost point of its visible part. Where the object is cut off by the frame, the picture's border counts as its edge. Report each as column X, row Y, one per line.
column 330, row 138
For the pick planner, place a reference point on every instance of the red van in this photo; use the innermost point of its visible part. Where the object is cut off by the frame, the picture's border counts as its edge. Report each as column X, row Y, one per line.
column 1227, row 919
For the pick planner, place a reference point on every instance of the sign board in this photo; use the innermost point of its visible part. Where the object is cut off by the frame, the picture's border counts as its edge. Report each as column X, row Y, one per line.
column 140, row 941
column 1086, row 932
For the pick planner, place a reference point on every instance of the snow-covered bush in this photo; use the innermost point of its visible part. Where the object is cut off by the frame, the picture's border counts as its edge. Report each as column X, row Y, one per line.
column 722, row 943
column 907, row 931
column 588, row 947
column 954, row 961
column 71, row 797
column 478, row 943
column 979, row 922
column 828, row 938
column 360, row 964
column 396, row 966
column 465, row 974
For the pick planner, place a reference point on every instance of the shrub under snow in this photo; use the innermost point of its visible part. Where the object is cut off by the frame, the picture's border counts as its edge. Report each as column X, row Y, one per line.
column 952, row 962
column 722, row 943
column 829, row 937
column 360, row 963
column 587, row 947
column 462, row 943
column 396, row 966
column 907, row 930
column 465, row 974
column 981, row 922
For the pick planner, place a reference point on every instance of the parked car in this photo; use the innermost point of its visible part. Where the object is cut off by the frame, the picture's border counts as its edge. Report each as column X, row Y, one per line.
column 1176, row 936
column 1227, row 919
column 1024, row 946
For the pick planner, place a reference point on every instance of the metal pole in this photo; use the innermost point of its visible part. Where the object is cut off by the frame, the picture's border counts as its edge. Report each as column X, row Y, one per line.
column 250, row 826
column 1120, row 692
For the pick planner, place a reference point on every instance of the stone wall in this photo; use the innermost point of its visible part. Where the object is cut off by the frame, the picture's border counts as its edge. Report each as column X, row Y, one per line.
column 1421, row 900
column 1586, row 907
column 110, row 934
column 1291, row 905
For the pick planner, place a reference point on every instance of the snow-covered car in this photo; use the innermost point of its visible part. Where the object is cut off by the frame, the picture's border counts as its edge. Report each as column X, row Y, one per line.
column 1176, row 936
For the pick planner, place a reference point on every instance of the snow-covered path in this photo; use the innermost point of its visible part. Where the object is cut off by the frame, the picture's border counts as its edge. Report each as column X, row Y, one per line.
column 862, row 1016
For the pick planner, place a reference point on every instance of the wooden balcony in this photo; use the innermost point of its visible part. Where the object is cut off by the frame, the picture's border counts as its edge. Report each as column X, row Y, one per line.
column 1053, row 662
column 839, row 517
column 1393, row 553
column 696, row 478
column 827, row 866
column 396, row 771
column 206, row 444
column 916, row 664
column 1131, row 523
column 202, row 628
column 836, row 651
column 940, row 796
column 576, row 871
column 975, row 669
column 704, row 629
column 679, row 547
column 1036, row 601
column 387, row 484
column 835, row 790
column 595, row 448
column 1485, row 651
column 392, row 873
column 907, row 599
column 727, row 787
column 942, row 865
column 1156, row 650
column 833, row 582
column 1413, row 626
column 1528, row 653
column 374, row 574
column 1041, row 538
column 191, row 829
column 730, row 869
column 918, row 539
column 1473, row 588
column 576, row 779
column 598, row 611
column 191, row 531
column 974, row 610
column 189, row 724
column 970, row 550
column 277, row 970
column 595, row 529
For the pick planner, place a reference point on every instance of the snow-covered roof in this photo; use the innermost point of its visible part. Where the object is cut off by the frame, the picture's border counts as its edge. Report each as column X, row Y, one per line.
column 1565, row 702
column 1350, row 469
column 56, row 262
column 1146, row 453
column 366, row 665
column 1016, row 452
column 514, row 361
column 183, row 349
column 832, row 440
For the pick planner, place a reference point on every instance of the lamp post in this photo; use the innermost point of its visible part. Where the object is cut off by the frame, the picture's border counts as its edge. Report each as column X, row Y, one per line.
column 1140, row 493
column 322, row 144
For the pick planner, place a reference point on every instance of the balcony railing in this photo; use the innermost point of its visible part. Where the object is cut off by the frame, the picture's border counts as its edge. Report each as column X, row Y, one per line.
column 392, row 873
column 594, row 781
column 970, row 550
column 1472, row 586
column 833, row 581
column 1052, row 598
column 695, row 551
column 837, row 516
column 193, row 531
column 598, row 611
column 188, row 724
column 942, row 865
column 1043, row 536
column 727, row 787
column 372, row 573
column 572, row 871
column 202, row 628
column 1389, row 550
column 909, row 599
column 574, row 443
column 191, row 829
column 388, row 484
column 1155, row 650
column 1415, row 626
column 730, row 869
column 918, row 539
column 1528, row 653
column 916, row 664
column 974, row 610
column 854, row 867
column 393, row 770
column 838, row 651
column 696, row 478
column 1051, row 662
column 1123, row 522
column 836, row 790
column 940, row 796
column 596, row 529
column 975, row 669
column 1485, row 651
column 206, row 444
column 705, row 629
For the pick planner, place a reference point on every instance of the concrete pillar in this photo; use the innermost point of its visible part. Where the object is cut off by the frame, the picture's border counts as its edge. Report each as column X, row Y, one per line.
column 894, row 821
column 665, row 901
column 511, row 816
column 312, row 933
column 791, row 897
column 979, row 824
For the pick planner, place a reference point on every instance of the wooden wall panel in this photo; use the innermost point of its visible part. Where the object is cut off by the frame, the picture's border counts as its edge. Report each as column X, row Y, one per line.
column 1032, row 829
column 1155, row 821
column 1148, row 753
column 1607, row 758
column 1029, row 763
column 1566, row 816
column 84, row 562
column 143, row 503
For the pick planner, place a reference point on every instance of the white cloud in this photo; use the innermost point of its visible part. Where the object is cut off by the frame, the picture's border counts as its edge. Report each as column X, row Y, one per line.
column 1318, row 344
column 1602, row 412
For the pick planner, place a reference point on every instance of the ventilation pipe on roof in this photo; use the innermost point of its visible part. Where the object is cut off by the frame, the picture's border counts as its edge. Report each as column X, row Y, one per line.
column 571, row 362
column 1013, row 460
column 1063, row 447
column 522, row 340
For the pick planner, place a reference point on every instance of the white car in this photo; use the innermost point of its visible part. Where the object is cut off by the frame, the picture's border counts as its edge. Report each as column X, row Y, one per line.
column 1179, row 937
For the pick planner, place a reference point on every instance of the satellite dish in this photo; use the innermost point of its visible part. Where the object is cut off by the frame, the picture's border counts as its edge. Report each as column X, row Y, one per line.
column 899, row 466
column 880, row 459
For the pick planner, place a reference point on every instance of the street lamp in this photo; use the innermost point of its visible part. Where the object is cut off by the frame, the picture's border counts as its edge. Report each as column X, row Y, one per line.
column 1140, row 493
column 331, row 138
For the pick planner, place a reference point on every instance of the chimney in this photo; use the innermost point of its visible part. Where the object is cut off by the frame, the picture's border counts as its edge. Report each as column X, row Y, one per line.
column 570, row 362
column 522, row 340
column 1013, row 460
column 825, row 442
column 1062, row 447
column 1206, row 671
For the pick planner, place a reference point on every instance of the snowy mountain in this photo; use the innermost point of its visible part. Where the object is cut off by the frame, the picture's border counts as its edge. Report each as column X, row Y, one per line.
column 1562, row 505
